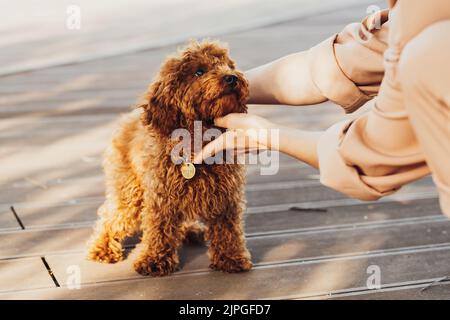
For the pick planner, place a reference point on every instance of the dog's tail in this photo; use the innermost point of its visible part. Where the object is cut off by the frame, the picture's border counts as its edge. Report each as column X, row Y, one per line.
column 194, row 232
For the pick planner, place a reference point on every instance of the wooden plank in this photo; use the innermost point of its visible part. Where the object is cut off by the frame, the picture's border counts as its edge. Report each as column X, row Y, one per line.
column 24, row 274
column 71, row 239
column 82, row 81
column 294, row 280
column 83, row 166
column 18, row 244
column 60, row 154
column 323, row 204
column 345, row 215
column 34, row 128
column 91, row 82
column 434, row 289
column 85, row 105
column 59, row 96
column 60, row 215
column 7, row 220
column 90, row 107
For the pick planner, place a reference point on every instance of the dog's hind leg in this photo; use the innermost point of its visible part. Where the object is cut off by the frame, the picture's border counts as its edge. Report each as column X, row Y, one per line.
column 114, row 226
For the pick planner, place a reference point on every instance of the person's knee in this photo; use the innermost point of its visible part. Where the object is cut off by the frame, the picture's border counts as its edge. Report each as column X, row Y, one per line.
column 425, row 55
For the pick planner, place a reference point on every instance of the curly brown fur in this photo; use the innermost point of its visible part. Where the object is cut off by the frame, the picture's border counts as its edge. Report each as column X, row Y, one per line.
column 144, row 187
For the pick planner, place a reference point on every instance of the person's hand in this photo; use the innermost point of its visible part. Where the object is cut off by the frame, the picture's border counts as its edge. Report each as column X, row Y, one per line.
column 242, row 135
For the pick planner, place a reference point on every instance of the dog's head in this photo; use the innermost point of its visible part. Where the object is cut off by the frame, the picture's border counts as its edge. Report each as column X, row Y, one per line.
column 199, row 83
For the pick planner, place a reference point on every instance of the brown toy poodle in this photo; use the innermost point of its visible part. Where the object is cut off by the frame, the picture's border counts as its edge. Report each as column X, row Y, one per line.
column 146, row 191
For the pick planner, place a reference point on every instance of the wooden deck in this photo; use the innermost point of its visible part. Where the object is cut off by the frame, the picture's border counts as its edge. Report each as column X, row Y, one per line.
column 54, row 124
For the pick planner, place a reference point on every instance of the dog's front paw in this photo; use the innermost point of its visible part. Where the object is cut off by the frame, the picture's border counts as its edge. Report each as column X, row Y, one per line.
column 234, row 264
column 105, row 250
column 147, row 265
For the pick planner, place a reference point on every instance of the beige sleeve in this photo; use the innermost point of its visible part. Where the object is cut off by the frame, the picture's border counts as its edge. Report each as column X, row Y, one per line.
column 370, row 157
column 347, row 68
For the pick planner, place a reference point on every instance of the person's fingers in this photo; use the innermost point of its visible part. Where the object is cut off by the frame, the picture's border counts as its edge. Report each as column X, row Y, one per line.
column 242, row 121
column 236, row 139
column 219, row 122
column 234, row 121
column 222, row 121
column 212, row 148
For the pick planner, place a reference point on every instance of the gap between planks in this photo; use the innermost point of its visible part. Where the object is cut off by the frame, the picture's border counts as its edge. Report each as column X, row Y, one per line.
column 398, row 286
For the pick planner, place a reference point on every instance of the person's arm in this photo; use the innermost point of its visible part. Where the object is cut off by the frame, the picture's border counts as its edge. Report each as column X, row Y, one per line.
column 278, row 82
column 345, row 68
column 299, row 144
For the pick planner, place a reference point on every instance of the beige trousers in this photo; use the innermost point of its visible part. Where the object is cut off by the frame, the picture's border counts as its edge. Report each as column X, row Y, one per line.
column 424, row 72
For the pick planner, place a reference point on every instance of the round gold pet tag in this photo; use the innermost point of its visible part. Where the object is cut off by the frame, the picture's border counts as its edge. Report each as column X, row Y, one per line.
column 188, row 170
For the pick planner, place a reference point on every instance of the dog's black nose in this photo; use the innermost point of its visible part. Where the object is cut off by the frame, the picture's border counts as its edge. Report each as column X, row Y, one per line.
column 231, row 79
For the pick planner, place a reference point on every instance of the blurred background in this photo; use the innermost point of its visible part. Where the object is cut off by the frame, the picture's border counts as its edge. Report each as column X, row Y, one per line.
column 42, row 33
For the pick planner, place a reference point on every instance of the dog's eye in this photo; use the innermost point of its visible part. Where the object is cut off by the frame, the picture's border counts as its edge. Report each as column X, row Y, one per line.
column 199, row 72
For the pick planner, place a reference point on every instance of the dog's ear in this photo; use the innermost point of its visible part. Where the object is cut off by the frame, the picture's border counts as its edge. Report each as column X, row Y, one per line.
column 158, row 109
column 160, row 106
